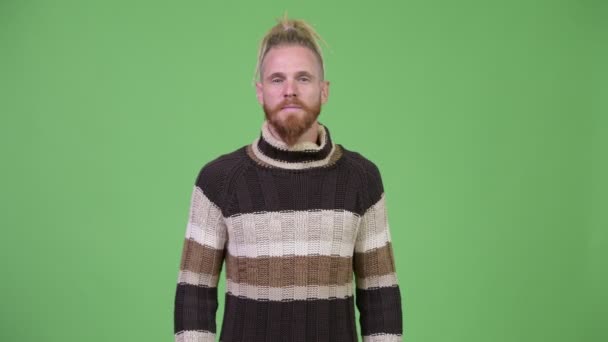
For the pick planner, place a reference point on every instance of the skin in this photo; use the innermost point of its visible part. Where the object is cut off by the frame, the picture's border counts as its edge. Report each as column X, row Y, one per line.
column 292, row 91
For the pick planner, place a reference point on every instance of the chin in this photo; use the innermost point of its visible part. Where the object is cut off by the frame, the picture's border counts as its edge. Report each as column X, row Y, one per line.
column 290, row 115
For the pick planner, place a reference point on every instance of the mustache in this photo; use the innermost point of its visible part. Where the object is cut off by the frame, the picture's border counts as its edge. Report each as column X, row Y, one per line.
column 289, row 102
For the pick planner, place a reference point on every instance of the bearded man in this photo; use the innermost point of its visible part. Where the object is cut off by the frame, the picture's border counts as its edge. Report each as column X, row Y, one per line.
column 295, row 218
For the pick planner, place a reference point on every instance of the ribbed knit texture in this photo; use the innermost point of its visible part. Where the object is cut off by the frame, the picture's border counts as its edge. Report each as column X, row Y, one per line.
column 294, row 226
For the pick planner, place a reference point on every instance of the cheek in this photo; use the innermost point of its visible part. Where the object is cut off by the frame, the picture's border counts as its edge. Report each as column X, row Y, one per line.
column 268, row 98
column 272, row 95
column 314, row 96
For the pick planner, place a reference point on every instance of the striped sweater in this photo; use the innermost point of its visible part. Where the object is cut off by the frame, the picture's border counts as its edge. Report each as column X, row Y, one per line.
column 294, row 226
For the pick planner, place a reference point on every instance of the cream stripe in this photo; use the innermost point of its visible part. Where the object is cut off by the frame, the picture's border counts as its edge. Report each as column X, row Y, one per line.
column 289, row 293
column 374, row 229
column 377, row 241
column 301, row 248
column 205, row 223
column 195, row 336
column 198, row 279
column 386, row 280
column 383, row 338
column 288, row 165
column 317, row 232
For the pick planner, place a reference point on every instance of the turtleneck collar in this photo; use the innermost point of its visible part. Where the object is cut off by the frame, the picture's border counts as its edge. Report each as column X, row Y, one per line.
column 271, row 152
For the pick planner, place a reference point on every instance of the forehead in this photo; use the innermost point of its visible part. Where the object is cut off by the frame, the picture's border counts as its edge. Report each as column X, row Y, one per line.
column 290, row 59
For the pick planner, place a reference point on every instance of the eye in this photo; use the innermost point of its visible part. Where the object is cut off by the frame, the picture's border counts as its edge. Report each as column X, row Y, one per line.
column 276, row 80
column 304, row 79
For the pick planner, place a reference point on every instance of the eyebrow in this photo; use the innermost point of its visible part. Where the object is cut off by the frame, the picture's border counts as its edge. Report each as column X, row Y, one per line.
column 282, row 75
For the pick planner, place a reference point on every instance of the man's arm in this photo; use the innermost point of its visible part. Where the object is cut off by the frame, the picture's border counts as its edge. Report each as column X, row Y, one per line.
column 378, row 297
column 201, row 263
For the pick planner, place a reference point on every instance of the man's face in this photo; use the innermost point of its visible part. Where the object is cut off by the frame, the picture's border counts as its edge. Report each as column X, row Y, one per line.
column 291, row 90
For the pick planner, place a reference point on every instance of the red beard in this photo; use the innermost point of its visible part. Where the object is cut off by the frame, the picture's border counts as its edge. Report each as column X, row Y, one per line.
column 294, row 125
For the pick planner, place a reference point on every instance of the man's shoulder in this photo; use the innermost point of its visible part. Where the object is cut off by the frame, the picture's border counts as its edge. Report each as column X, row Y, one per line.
column 361, row 162
column 225, row 160
column 213, row 173
column 370, row 178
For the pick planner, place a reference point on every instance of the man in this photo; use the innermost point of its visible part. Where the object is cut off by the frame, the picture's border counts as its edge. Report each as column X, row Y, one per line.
column 293, row 215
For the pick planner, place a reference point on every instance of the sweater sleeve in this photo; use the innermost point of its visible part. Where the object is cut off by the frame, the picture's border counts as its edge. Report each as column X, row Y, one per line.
column 196, row 297
column 378, row 297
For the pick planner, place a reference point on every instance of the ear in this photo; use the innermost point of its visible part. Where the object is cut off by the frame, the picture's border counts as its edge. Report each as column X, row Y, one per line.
column 258, row 92
column 324, row 91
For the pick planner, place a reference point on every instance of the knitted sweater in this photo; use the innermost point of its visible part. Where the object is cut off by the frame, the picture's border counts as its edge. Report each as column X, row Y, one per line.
column 292, row 225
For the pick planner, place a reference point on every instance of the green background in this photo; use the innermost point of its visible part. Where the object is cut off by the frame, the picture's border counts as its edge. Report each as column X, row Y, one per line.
column 487, row 119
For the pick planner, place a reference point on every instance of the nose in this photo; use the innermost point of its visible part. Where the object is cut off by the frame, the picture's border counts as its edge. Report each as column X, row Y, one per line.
column 290, row 89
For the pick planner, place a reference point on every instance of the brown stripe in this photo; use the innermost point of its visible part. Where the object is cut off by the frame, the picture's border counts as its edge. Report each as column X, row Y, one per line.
column 201, row 259
column 290, row 270
column 376, row 262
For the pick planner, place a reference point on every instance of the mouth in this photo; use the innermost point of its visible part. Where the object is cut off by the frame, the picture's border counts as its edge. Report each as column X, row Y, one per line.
column 292, row 107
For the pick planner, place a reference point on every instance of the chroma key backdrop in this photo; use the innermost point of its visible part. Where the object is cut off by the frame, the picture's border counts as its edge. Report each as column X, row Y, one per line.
column 488, row 121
